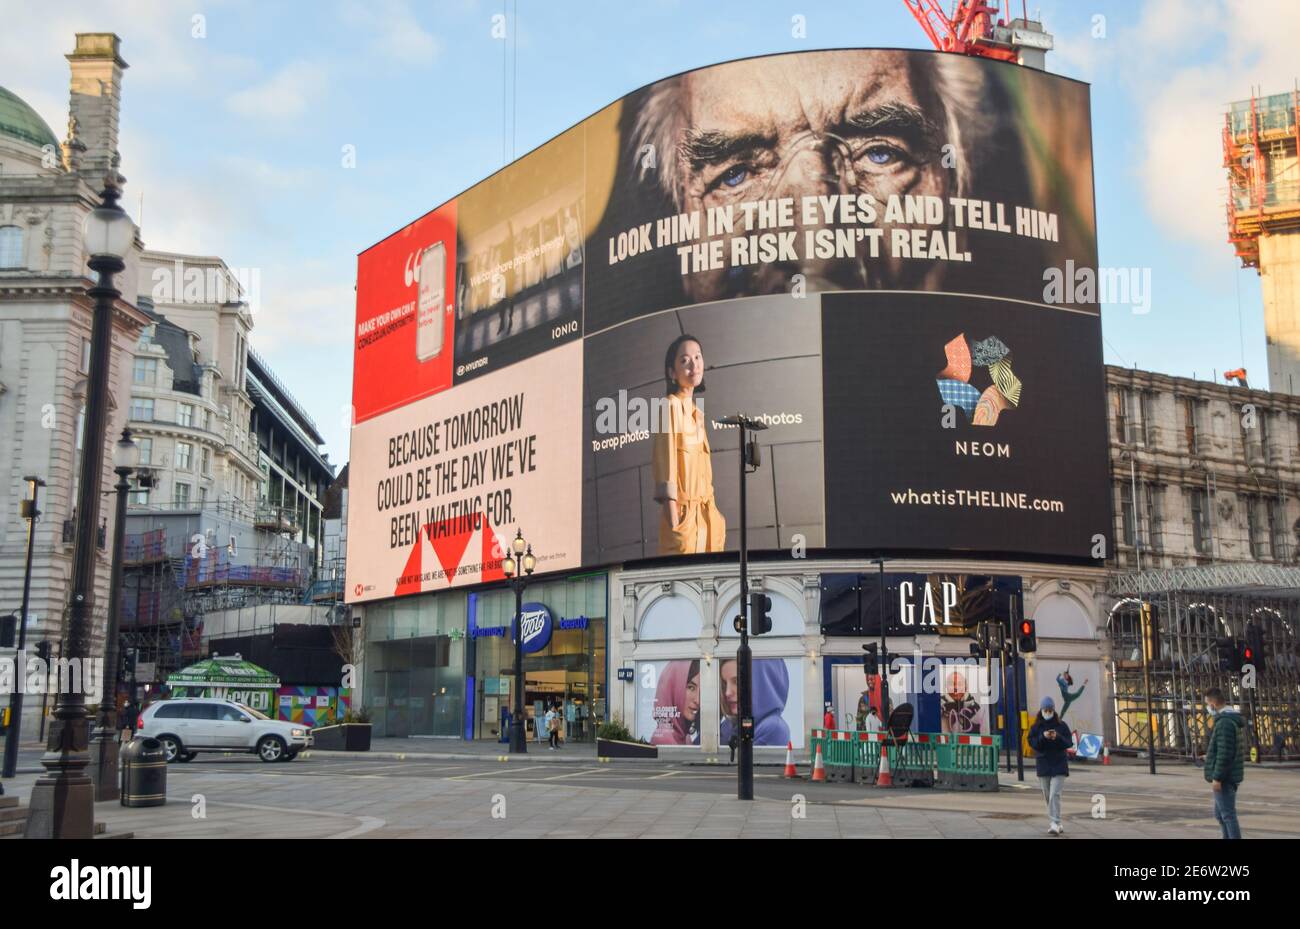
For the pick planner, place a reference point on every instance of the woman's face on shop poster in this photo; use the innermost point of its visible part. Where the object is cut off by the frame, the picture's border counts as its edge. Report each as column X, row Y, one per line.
column 688, row 365
column 692, row 708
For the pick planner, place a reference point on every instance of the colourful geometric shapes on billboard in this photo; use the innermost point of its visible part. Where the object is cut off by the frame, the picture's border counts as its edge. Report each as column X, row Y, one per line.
column 990, row 351
column 959, row 394
column 1008, row 384
column 959, row 362
column 991, row 404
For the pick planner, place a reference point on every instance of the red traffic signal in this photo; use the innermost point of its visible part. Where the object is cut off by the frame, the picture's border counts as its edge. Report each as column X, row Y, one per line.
column 1027, row 636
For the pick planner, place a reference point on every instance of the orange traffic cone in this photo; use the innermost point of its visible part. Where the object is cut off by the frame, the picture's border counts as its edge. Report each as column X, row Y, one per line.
column 1105, row 754
column 884, row 778
column 819, row 768
column 790, row 770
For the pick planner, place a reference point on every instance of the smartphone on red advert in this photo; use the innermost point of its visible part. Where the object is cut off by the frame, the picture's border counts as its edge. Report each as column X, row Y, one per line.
column 430, row 328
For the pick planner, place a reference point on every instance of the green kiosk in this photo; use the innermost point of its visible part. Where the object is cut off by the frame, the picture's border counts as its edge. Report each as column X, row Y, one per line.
column 229, row 678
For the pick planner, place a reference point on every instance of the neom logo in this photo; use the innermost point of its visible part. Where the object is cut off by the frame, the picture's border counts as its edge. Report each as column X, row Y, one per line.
column 103, row 882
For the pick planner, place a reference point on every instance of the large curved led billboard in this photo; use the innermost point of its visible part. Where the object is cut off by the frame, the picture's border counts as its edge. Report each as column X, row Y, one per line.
column 883, row 255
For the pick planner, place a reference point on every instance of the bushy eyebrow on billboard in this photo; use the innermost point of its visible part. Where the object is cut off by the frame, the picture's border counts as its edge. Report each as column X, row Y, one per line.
column 850, row 245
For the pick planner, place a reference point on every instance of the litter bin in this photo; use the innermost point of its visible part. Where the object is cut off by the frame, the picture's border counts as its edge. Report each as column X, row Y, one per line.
column 144, row 773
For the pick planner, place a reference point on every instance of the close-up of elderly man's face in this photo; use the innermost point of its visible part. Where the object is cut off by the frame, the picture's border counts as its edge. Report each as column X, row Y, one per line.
column 869, row 122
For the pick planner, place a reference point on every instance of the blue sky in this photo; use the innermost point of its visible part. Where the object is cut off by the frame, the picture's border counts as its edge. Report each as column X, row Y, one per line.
column 235, row 138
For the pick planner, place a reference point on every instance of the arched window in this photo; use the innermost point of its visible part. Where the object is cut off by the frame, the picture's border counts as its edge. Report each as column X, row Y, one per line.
column 11, row 247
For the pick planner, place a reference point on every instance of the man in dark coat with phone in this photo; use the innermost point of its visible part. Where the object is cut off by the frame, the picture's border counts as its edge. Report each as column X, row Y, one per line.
column 1049, row 737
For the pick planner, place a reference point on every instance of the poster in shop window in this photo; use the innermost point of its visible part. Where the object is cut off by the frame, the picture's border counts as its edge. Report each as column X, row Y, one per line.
column 668, row 709
column 777, row 701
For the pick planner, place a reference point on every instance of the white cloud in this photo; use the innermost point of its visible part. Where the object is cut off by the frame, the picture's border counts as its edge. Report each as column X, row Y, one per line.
column 394, row 30
column 302, row 309
column 1185, row 63
column 285, row 95
column 245, row 172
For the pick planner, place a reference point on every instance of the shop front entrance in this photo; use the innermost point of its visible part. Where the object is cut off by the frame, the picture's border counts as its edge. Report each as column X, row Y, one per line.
column 567, row 673
column 418, row 693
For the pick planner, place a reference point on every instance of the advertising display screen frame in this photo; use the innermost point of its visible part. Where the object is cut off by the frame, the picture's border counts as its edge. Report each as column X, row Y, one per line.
column 873, row 250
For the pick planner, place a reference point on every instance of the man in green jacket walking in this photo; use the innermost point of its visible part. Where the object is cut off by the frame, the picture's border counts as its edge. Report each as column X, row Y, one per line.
column 1225, row 760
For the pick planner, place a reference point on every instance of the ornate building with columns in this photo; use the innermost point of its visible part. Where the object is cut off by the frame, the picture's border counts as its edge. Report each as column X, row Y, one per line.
column 46, row 189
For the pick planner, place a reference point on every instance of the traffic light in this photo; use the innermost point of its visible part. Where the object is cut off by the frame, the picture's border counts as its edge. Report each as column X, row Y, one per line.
column 8, row 629
column 760, row 614
column 870, row 658
column 1150, row 632
column 1255, row 646
column 43, row 651
column 1027, row 634
column 1225, row 651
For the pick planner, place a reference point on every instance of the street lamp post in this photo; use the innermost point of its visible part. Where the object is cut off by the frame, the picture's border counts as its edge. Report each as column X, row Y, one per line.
column 62, row 802
column 882, row 669
column 30, row 512
column 744, row 655
column 126, row 458
column 518, row 566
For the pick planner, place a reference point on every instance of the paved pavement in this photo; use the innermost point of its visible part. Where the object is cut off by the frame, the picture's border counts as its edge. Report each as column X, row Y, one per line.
column 337, row 795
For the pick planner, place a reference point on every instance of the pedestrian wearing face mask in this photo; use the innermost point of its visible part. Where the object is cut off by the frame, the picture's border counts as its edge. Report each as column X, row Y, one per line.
column 1049, row 738
column 1225, row 760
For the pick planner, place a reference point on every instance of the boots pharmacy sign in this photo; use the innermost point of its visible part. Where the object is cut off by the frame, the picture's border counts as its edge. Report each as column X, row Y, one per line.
column 537, row 623
column 535, row 627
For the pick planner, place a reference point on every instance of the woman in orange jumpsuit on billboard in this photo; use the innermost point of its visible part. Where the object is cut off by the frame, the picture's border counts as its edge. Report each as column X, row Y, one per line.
column 689, row 521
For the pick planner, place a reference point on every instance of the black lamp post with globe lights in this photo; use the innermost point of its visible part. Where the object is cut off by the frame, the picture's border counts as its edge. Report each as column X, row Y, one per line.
column 518, row 565
column 62, row 804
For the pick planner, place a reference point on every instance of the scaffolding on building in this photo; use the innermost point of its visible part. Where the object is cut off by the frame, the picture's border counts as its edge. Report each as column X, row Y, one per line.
column 172, row 580
column 154, row 618
column 1199, row 615
column 1261, row 137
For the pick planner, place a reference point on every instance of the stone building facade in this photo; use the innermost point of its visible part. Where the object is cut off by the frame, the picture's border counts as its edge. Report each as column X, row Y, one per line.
column 190, row 406
column 1202, row 473
column 47, row 188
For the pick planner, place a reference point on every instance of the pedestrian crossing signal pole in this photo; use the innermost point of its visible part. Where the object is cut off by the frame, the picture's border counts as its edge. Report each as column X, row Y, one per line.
column 1148, row 654
column 744, row 728
column 882, row 669
column 1015, row 696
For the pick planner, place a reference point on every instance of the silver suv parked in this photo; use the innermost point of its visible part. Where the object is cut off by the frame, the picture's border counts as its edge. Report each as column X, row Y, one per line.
column 190, row 725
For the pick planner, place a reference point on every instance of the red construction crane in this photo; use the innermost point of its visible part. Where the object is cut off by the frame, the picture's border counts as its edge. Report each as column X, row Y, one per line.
column 971, row 29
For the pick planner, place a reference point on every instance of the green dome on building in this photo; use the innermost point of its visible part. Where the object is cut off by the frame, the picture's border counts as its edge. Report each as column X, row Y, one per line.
column 20, row 121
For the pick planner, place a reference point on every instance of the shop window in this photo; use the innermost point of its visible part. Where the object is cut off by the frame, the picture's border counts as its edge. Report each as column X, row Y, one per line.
column 568, row 671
